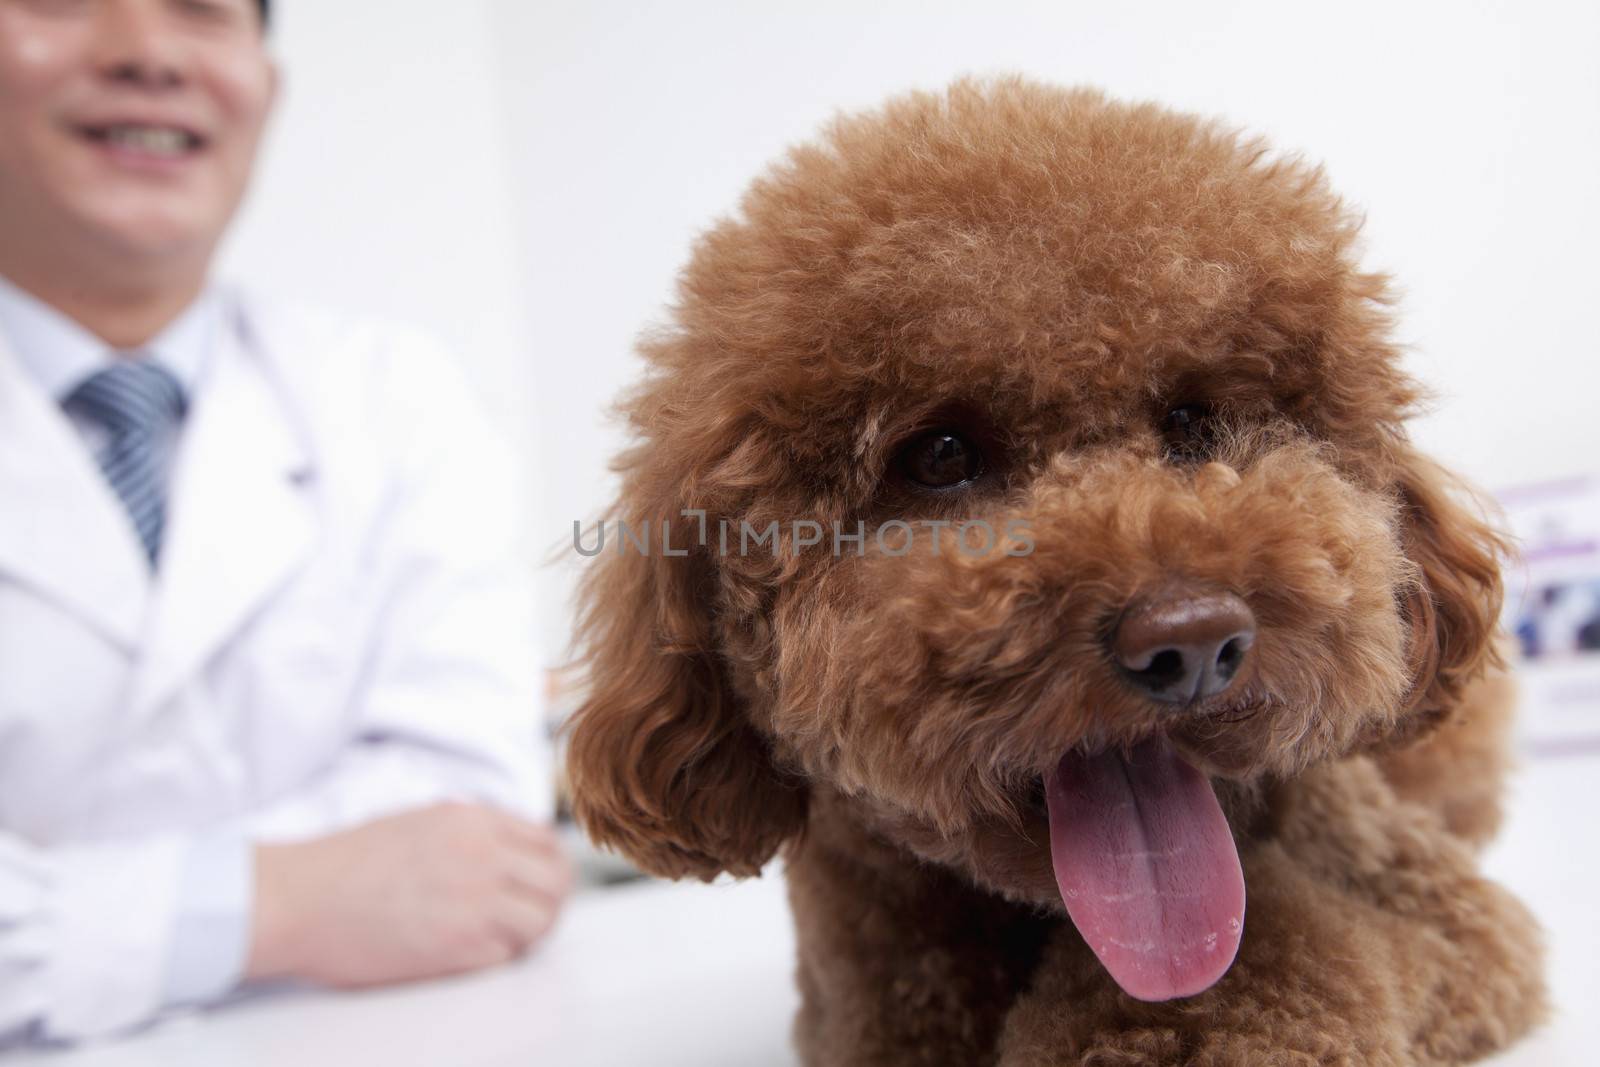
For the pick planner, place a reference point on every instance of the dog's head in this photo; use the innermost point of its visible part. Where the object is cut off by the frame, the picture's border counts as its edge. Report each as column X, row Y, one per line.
column 1082, row 434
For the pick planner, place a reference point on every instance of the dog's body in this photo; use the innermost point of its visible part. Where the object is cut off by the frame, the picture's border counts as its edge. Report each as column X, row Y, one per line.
column 1236, row 641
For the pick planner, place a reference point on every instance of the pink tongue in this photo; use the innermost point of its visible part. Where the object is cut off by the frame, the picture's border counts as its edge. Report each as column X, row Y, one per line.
column 1147, row 868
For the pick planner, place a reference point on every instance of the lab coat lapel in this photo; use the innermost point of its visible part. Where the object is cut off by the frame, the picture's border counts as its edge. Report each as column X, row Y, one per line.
column 62, row 530
column 240, row 518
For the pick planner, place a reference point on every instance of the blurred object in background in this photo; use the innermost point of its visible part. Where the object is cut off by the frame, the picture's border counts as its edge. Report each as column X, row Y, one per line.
column 1553, row 608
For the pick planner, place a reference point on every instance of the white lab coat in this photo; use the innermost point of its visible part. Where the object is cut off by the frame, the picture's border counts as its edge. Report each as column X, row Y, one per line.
column 340, row 629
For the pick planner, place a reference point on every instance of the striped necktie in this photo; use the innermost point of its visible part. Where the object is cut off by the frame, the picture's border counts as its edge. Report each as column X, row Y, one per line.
column 139, row 404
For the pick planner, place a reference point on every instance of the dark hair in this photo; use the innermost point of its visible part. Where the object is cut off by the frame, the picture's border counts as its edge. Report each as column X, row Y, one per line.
column 262, row 4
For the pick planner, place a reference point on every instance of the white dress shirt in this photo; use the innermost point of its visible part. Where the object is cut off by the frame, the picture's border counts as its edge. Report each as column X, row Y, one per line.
column 61, row 355
column 439, row 643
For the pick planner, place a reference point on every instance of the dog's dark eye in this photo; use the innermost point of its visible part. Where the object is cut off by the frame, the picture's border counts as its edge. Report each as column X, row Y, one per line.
column 1187, row 430
column 941, row 459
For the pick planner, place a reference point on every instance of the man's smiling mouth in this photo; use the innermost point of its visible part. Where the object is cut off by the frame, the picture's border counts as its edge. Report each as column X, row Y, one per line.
column 158, row 141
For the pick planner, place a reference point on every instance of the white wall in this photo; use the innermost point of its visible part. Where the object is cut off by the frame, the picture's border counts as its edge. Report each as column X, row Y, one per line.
column 1470, row 133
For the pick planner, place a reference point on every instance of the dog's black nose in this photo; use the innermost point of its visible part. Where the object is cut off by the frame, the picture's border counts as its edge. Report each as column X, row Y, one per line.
column 1181, row 645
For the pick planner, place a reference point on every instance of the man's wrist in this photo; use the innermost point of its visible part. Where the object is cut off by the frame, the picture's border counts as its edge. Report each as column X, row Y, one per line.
column 277, row 919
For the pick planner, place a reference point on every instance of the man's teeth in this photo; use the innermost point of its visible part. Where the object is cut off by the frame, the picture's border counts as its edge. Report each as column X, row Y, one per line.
column 156, row 140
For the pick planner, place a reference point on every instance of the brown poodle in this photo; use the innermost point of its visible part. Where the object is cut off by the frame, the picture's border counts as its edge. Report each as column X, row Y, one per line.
column 1118, row 681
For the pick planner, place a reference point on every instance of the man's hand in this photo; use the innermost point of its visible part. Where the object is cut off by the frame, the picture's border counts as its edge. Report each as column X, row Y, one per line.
column 426, row 893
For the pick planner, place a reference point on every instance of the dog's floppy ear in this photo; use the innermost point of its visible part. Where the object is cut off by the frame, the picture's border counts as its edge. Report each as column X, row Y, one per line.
column 1454, row 607
column 663, row 762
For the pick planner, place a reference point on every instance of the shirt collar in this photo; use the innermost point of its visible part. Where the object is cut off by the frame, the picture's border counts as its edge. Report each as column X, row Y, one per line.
column 60, row 354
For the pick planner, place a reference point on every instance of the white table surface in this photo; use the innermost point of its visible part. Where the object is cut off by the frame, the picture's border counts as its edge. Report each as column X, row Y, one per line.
column 701, row 976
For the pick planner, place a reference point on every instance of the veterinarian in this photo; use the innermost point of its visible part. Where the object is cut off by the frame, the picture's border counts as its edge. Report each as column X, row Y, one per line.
column 267, row 698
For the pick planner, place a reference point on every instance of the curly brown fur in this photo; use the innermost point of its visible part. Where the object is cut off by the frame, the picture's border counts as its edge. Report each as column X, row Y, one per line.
column 1051, row 272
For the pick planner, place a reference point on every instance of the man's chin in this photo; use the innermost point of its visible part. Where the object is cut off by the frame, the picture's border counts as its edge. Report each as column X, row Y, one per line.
column 154, row 231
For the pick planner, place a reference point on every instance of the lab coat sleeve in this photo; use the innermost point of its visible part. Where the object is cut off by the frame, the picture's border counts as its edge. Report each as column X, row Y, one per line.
column 450, row 707
column 71, row 967
column 211, row 937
